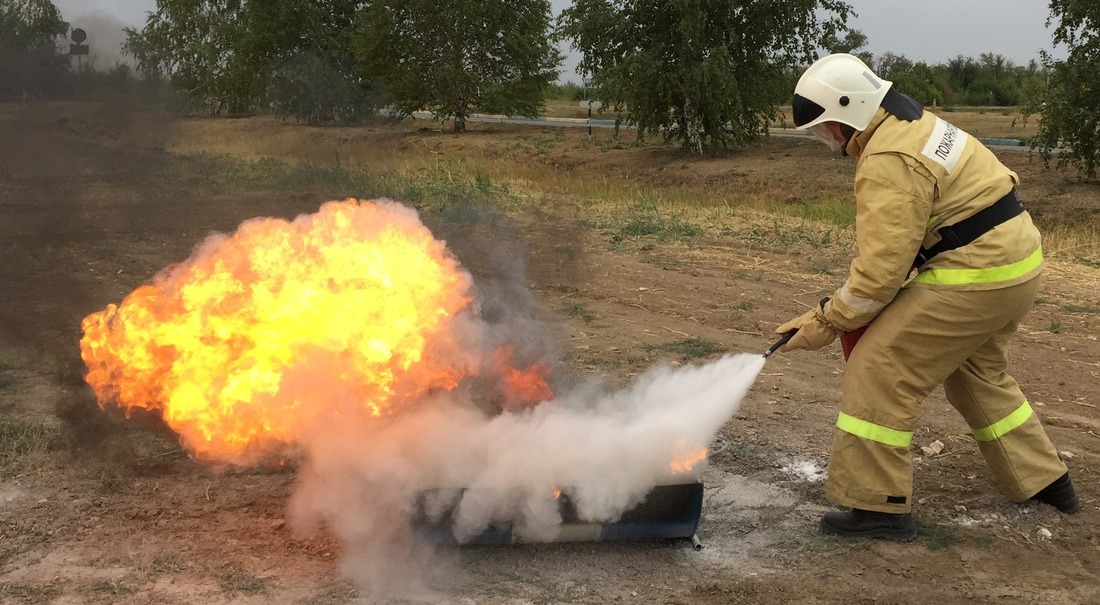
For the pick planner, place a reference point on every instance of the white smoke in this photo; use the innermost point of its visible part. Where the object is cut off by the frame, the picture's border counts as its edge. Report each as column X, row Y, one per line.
column 606, row 450
column 440, row 452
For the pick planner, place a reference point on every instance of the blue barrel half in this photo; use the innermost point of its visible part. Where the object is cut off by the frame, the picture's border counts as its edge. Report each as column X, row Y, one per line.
column 668, row 512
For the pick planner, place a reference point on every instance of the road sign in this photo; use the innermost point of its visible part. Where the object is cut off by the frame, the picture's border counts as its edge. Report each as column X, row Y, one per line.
column 591, row 104
column 79, row 48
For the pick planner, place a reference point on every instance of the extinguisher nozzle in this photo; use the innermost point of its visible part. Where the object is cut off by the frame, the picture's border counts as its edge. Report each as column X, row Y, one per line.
column 779, row 343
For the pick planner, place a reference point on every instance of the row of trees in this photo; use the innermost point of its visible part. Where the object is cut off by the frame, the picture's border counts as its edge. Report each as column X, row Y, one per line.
column 991, row 79
column 706, row 73
column 341, row 60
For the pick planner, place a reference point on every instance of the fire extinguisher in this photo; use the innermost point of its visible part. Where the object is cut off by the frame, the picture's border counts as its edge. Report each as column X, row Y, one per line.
column 848, row 340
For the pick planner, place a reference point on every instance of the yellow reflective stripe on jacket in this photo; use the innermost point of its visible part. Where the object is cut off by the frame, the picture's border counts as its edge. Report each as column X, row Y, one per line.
column 873, row 432
column 963, row 277
column 1004, row 425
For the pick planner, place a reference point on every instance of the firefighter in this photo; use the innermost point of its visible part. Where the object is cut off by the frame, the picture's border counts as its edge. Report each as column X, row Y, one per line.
column 948, row 265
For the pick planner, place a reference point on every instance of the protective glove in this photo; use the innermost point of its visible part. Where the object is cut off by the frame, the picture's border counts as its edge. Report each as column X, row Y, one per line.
column 813, row 331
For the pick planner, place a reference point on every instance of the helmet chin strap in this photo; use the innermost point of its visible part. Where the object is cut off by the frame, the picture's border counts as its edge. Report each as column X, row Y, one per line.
column 848, row 132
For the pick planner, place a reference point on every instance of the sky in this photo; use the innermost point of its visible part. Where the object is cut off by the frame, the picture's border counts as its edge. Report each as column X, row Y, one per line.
column 933, row 31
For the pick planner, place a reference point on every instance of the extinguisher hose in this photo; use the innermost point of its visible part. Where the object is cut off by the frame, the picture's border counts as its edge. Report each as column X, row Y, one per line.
column 782, row 341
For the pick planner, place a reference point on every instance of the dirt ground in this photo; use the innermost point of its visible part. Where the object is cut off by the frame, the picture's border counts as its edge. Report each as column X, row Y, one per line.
column 111, row 511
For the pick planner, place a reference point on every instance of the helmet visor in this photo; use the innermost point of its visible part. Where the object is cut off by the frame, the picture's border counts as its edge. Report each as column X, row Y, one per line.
column 804, row 110
column 821, row 132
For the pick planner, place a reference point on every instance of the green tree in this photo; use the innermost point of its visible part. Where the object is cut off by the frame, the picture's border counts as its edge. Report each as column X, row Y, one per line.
column 851, row 43
column 452, row 57
column 311, row 69
column 995, row 83
column 959, row 73
column 236, row 56
column 920, row 81
column 195, row 44
column 1070, row 105
column 707, row 73
column 29, row 63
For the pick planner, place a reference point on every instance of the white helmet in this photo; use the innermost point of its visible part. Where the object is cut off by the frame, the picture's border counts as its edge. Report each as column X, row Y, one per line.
column 838, row 88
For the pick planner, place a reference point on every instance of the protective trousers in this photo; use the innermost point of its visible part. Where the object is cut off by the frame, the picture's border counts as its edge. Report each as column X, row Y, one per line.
column 926, row 337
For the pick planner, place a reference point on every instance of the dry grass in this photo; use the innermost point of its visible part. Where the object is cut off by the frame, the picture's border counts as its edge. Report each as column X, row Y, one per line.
column 994, row 122
column 991, row 122
column 25, row 447
column 1076, row 245
column 782, row 194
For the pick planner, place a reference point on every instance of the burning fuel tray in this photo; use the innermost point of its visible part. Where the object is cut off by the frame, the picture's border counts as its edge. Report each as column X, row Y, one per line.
column 668, row 512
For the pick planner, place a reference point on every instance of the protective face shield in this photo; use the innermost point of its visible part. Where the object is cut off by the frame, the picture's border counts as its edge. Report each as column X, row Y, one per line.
column 821, row 132
column 838, row 88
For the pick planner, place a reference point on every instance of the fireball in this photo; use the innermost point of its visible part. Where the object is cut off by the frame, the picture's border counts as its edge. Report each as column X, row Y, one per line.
column 262, row 336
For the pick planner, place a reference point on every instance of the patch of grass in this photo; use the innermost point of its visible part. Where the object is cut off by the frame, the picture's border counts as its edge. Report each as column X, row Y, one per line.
column 840, row 212
column 1072, row 240
column 273, row 173
column 938, row 537
column 114, row 588
column 21, row 442
column 784, row 234
column 745, row 305
column 166, row 563
column 1055, row 326
column 690, row 348
column 113, row 480
column 237, row 580
column 532, row 145
column 29, row 593
column 1073, row 308
column 615, row 142
column 450, row 188
column 451, row 185
column 648, row 216
column 666, row 227
column 578, row 310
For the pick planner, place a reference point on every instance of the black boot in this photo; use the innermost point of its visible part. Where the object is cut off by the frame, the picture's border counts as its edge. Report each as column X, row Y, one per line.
column 1060, row 495
column 858, row 523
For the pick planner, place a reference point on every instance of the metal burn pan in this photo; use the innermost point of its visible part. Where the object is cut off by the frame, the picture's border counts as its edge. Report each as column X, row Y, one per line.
column 668, row 512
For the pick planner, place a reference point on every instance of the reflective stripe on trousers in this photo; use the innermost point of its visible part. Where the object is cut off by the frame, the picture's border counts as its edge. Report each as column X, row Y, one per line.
column 1004, row 425
column 874, row 432
column 895, row 438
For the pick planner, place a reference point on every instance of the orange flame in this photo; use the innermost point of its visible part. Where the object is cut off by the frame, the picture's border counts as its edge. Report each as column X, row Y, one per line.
column 687, row 462
column 241, row 346
column 521, row 388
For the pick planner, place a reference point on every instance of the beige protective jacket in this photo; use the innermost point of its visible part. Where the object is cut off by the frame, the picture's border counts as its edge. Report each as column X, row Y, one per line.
column 911, row 179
